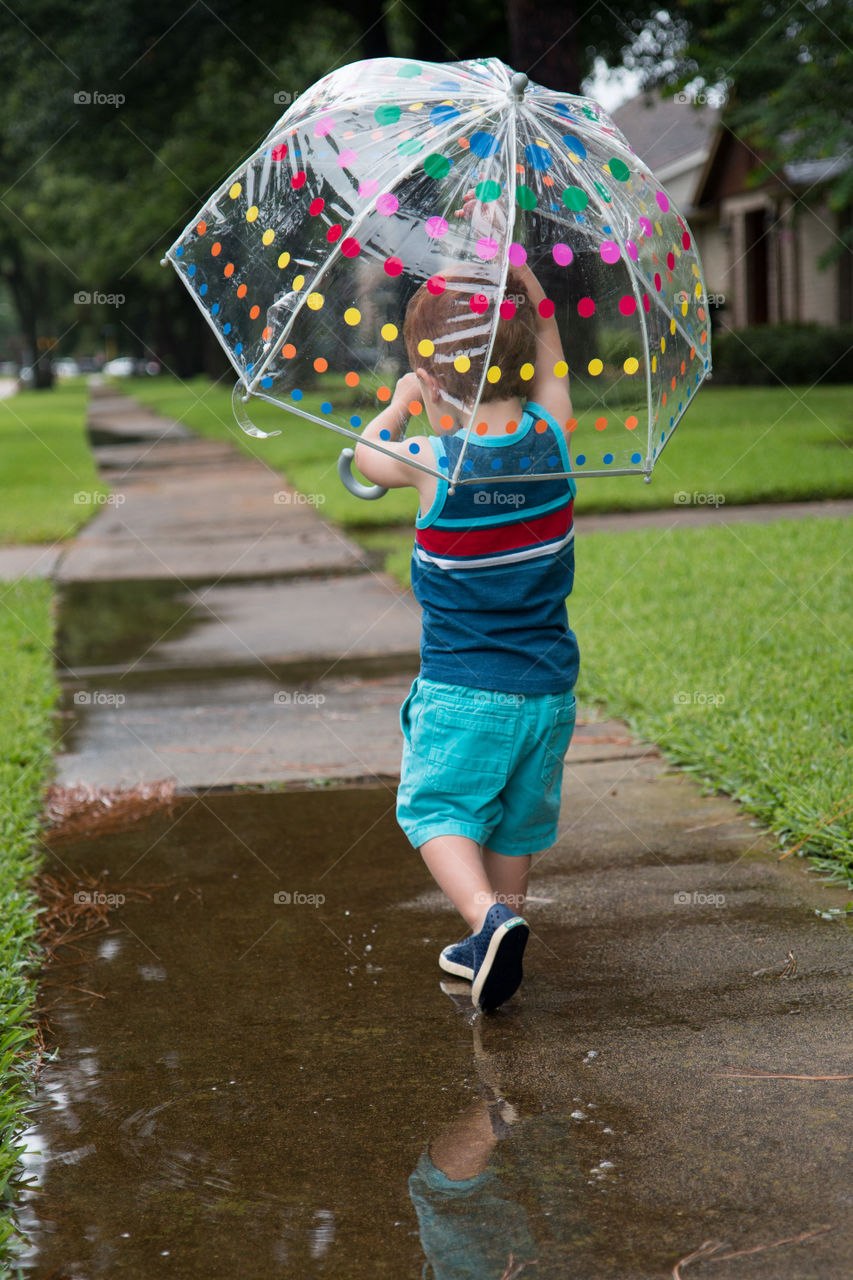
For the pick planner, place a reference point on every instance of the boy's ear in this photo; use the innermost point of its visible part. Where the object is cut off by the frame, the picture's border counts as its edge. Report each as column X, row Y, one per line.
column 429, row 384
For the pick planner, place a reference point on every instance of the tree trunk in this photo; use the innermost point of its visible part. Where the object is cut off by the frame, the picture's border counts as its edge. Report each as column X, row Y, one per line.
column 27, row 287
column 543, row 39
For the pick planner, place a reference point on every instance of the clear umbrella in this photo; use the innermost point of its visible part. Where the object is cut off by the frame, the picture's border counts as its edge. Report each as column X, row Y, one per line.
column 305, row 261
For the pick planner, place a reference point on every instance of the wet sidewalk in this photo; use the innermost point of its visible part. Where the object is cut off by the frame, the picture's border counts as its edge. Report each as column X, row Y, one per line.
column 268, row 1054
column 256, row 1054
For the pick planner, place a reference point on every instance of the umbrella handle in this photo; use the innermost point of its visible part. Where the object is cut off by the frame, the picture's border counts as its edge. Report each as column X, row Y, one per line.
column 367, row 491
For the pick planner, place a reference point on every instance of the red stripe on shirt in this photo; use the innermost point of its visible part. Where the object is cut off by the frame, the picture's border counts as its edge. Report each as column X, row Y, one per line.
column 514, row 536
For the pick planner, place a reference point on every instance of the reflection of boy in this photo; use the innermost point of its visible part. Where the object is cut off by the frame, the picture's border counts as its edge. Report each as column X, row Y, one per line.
column 490, row 717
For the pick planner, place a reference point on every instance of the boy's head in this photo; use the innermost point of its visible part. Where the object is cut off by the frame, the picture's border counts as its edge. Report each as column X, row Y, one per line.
column 447, row 335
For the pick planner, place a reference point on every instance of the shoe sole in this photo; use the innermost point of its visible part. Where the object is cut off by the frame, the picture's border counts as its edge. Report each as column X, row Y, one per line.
column 458, row 970
column 500, row 974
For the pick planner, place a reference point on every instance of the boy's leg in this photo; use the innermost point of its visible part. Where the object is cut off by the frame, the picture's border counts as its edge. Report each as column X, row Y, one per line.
column 456, row 864
column 507, row 876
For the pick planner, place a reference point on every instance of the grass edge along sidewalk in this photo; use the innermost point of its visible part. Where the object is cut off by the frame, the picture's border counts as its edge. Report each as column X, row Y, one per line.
column 752, row 445
column 728, row 647
column 50, row 481
column 28, row 692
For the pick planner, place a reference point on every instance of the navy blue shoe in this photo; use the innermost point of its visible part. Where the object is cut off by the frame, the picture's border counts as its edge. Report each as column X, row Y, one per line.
column 459, row 959
column 498, row 950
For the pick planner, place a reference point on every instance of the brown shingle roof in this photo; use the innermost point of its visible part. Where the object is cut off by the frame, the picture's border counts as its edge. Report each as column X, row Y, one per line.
column 662, row 130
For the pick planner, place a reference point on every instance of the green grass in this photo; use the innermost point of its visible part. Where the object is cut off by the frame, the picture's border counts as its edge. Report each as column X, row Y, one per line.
column 46, row 462
column 27, row 694
column 731, row 648
column 760, row 444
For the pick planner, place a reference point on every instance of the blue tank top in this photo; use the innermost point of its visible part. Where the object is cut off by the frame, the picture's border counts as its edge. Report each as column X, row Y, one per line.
column 492, row 564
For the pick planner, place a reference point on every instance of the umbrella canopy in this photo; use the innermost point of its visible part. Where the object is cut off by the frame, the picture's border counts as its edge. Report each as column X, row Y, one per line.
column 305, row 259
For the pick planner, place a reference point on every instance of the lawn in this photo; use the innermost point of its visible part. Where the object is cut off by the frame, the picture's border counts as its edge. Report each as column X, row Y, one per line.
column 739, row 446
column 50, row 484
column 27, row 694
column 731, row 648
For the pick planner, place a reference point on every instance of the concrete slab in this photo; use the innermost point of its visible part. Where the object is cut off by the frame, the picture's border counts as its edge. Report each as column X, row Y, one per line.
column 29, row 561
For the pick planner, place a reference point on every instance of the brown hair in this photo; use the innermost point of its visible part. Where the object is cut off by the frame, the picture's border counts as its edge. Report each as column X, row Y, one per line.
column 455, row 328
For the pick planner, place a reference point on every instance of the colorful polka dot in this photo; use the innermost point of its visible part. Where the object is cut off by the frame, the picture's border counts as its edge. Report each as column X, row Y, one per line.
column 627, row 305
column 315, row 301
column 283, row 259
column 526, row 372
column 609, row 251
column 235, row 189
column 562, row 254
column 479, row 304
column 517, row 254
column 586, row 307
column 631, row 365
column 461, row 364
column 436, row 227
column 486, row 248
column 487, row 191
column 575, row 198
column 426, row 347
column 350, row 247
column 387, row 204
column 437, row 166
column 352, row 316
column 393, row 266
column 595, row 367
column 389, row 332
column 483, row 144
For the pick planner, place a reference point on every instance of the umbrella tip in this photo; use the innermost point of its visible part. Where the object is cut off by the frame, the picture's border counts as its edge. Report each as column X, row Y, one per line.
column 519, row 84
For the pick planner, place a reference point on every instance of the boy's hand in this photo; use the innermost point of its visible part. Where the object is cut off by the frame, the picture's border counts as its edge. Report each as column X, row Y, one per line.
column 487, row 219
column 408, row 391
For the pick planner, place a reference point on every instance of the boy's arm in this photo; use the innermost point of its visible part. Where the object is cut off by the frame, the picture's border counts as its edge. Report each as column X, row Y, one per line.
column 380, row 468
column 549, row 389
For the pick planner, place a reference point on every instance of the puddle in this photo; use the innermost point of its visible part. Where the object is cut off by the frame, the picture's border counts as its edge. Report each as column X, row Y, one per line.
column 270, row 1080
column 115, row 622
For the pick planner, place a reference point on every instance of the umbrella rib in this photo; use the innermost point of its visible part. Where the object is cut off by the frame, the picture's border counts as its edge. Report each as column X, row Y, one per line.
column 334, row 257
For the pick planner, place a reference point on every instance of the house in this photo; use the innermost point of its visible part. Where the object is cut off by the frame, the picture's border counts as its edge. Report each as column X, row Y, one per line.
column 760, row 239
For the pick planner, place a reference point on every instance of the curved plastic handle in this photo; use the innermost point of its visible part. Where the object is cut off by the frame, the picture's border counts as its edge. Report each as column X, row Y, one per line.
column 367, row 491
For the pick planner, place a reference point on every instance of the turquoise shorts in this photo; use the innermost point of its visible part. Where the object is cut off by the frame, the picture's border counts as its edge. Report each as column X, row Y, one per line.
column 483, row 764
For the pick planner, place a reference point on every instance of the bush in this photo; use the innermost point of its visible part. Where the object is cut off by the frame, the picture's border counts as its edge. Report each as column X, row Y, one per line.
column 783, row 353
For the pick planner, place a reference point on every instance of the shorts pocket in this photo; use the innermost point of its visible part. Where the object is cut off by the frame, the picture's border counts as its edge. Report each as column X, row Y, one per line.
column 466, row 751
column 557, row 742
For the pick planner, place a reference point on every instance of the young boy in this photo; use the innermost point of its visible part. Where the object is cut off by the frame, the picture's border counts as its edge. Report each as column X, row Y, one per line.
column 491, row 714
